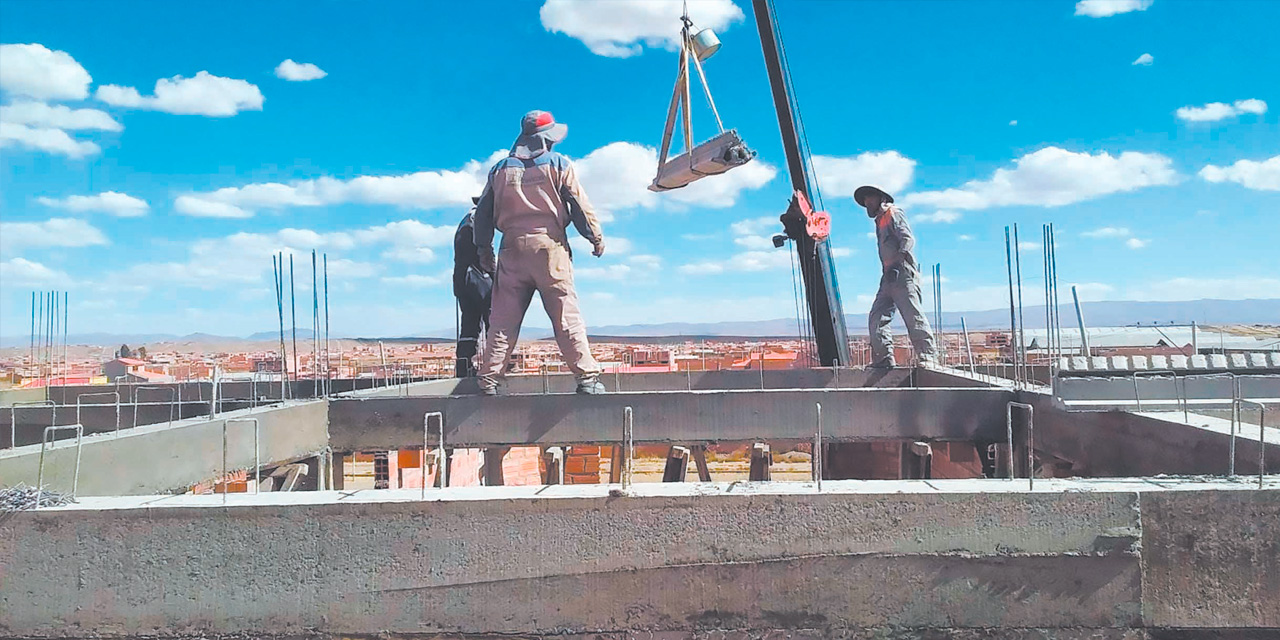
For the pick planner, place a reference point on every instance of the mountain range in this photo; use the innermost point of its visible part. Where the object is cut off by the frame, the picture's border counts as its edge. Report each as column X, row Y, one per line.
column 1096, row 314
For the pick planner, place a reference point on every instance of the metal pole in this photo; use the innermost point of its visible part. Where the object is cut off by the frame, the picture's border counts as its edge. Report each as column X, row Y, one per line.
column 1084, row 333
column 31, row 352
column 1013, row 320
column 968, row 349
column 817, row 265
column 1195, row 342
column 315, row 329
column 1057, row 311
column 628, row 440
column 293, row 319
column 327, row 378
column 817, row 448
column 1022, row 326
column 277, row 267
column 66, row 317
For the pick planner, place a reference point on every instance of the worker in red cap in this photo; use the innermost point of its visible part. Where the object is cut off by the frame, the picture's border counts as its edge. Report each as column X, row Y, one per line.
column 532, row 196
column 899, row 281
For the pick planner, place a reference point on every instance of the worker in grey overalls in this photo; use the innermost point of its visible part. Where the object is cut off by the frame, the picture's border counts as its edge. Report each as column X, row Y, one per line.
column 532, row 196
column 899, row 281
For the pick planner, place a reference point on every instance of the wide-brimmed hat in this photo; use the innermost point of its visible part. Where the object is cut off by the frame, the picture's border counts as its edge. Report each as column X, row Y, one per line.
column 538, row 131
column 861, row 192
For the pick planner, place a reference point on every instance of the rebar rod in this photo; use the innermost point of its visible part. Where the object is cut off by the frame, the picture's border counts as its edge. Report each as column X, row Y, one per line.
column 315, row 330
column 327, row 378
column 1013, row 320
column 293, row 317
column 1022, row 336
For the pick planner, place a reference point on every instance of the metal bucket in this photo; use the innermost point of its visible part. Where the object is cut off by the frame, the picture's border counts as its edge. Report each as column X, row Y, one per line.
column 705, row 44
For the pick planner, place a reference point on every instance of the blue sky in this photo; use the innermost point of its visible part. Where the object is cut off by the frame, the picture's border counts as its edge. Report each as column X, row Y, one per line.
column 1146, row 131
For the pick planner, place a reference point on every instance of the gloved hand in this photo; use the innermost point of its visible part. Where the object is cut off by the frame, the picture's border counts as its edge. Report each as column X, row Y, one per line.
column 598, row 250
column 488, row 263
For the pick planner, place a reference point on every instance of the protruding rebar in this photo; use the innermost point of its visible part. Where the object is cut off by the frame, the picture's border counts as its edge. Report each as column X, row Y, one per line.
column 327, row 378
column 1013, row 319
column 293, row 317
column 1022, row 336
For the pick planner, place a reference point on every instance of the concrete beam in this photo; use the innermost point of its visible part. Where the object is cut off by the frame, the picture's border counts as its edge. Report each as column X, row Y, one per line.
column 162, row 458
column 981, row 557
column 819, row 378
column 674, row 416
column 1121, row 443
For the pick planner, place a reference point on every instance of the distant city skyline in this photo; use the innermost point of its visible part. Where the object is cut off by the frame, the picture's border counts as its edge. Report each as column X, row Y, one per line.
column 152, row 171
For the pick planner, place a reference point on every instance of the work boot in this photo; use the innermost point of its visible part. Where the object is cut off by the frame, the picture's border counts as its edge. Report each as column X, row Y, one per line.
column 590, row 386
column 885, row 363
column 488, row 386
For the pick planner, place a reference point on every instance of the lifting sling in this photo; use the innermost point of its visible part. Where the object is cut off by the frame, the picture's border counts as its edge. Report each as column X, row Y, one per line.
column 715, row 156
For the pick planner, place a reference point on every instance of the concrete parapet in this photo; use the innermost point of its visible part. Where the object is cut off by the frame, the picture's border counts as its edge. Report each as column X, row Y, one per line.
column 161, row 458
column 983, row 555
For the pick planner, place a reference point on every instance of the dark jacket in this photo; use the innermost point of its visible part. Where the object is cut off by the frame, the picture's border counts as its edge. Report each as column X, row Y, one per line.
column 471, row 286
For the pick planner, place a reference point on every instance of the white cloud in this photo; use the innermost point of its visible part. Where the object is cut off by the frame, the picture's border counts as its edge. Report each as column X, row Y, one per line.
column 55, row 232
column 964, row 237
column 1233, row 288
column 202, row 95
column 1054, row 177
column 1215, row 111
column 21, row 272
column 1105, row 8
column 1262, row 176
column 613, row 245
column 842, row 252
column 1108, row 232
column 1026, row 245
column 299, row 71
column 642, row 266
column 44, row 139
column 622, row 28
column 421, row 190
column 1013, row 123
column 198, row 207
column 1144, row 60
column 416, row 281
column 245, row 258
column 34, row 70
column 616, row 178
column 1118, row 233
column 755, row 236
column 840, row 176
column 113, row 202
column 939, row 217
column 39, row 114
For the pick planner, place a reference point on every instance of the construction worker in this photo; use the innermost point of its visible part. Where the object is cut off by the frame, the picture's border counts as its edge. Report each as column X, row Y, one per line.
column 531, row 197
column 899, row 280
column 473, row 288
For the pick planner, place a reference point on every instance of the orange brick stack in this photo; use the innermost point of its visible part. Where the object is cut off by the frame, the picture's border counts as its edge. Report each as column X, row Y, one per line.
column 523, row 466
column 582, row 465
column 956, row 460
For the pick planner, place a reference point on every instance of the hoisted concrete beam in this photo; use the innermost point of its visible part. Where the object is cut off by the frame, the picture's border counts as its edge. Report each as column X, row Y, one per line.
column 672, row 417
